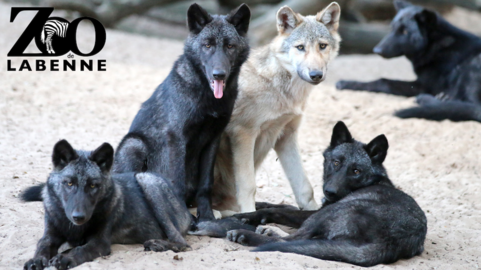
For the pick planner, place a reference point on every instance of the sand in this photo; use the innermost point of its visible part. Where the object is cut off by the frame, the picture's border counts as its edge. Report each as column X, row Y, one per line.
column 435, row 162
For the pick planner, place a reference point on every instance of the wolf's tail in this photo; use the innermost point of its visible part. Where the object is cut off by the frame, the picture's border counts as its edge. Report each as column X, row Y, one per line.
column 342, row 251
column 33, row 194
column 451, row 110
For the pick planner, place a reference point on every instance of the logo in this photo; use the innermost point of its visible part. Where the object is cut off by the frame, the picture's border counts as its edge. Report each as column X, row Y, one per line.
column 55, row 36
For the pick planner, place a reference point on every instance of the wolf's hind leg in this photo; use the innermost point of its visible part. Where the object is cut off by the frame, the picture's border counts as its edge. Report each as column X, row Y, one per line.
column 131, row 155
column 171, row 213
column 343, row 251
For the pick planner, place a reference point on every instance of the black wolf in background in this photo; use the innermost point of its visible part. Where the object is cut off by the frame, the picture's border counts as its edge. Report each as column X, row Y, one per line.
column 177, row 131
column 90, row 209
column 446, row 60
column 364, row 220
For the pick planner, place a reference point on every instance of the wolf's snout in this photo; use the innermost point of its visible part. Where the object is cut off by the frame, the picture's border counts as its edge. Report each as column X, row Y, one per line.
column 316, row 75
column 219, row 74
column 78, row 217
column 330, row 193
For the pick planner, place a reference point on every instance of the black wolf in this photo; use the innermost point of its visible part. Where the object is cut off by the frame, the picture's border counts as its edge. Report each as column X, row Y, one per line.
column 446, row 60
column 177, row 131
column 91, row 209
column 364, row 219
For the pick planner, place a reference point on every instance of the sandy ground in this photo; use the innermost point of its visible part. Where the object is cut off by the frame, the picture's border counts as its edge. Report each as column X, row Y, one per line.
column 436, row 163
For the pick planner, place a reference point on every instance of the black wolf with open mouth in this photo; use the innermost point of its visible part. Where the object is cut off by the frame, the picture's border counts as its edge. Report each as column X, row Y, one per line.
column 177, row 131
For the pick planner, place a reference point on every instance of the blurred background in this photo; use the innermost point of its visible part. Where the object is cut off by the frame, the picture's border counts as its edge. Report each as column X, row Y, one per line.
column 364, row 22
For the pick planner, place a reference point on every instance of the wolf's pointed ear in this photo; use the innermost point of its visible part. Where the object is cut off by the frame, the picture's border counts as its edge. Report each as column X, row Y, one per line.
column 427, row 18
column 63, row 153
column 330, row 16
column 340, row 134
column 197, row 18
column 401, row 4
column 240, row 18
column 377, row 149
column 103, row 156
column 287, row 20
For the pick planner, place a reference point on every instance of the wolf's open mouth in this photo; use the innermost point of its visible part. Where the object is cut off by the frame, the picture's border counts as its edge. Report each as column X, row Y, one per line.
column 218, row 88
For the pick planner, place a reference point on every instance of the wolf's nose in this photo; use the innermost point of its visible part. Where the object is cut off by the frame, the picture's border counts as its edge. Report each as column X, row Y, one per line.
column 316, row 75
column 330, row 193
column 78, row 217
column 218, row 74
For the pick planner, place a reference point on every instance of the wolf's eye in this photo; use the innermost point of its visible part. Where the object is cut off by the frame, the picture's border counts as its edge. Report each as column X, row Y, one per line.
column 230, row 46
column 207, row 45
column 323, row 46
column 336, row 163
column 92, row 186
column 356, row 171
column 69, row 184
column 300, row 47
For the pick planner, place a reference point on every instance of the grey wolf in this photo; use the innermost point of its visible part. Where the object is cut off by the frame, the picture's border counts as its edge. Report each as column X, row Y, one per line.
column 177, row 131
column 445, row 59
column 90, row 209
column 364, row 219
column 274, row 86
column 51, row 28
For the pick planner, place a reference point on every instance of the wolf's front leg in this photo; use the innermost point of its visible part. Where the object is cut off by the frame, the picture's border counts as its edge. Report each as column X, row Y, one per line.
column 98, row 245
column 204, row 190
column 243, row 143
column 288, row 153
column 47, row 247
column 159, row 245
column 398, row 88
column 249, row 238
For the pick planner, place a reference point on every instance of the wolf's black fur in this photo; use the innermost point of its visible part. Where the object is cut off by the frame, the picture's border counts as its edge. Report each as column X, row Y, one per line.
column 91, row 209
column 364, row 220
column 176, row 132
column 446, row 60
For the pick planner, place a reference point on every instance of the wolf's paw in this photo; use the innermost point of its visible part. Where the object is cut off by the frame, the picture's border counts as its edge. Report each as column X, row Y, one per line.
column 243, row 237
column 62, row 262
column 158, row 245
column 270, row 231
column 37, row 263
column 426, row 99
column 252, row 218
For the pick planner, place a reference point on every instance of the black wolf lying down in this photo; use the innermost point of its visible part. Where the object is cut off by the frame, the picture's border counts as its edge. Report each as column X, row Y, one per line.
column 91, row 209
column 446, row 60
column 364, row 220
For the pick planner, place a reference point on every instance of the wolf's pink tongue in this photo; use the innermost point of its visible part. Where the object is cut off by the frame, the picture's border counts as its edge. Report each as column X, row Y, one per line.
column 218, row 88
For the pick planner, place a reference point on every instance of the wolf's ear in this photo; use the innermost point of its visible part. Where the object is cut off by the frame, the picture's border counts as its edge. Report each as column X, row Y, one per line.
column 427, row 18
column 330, row 16
column 287, row 20
column 377, row 149
column 197, row 18
column 240, row 18
column 340, row 134
column 401, row 4
column 63, row 153
column 103, row 156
